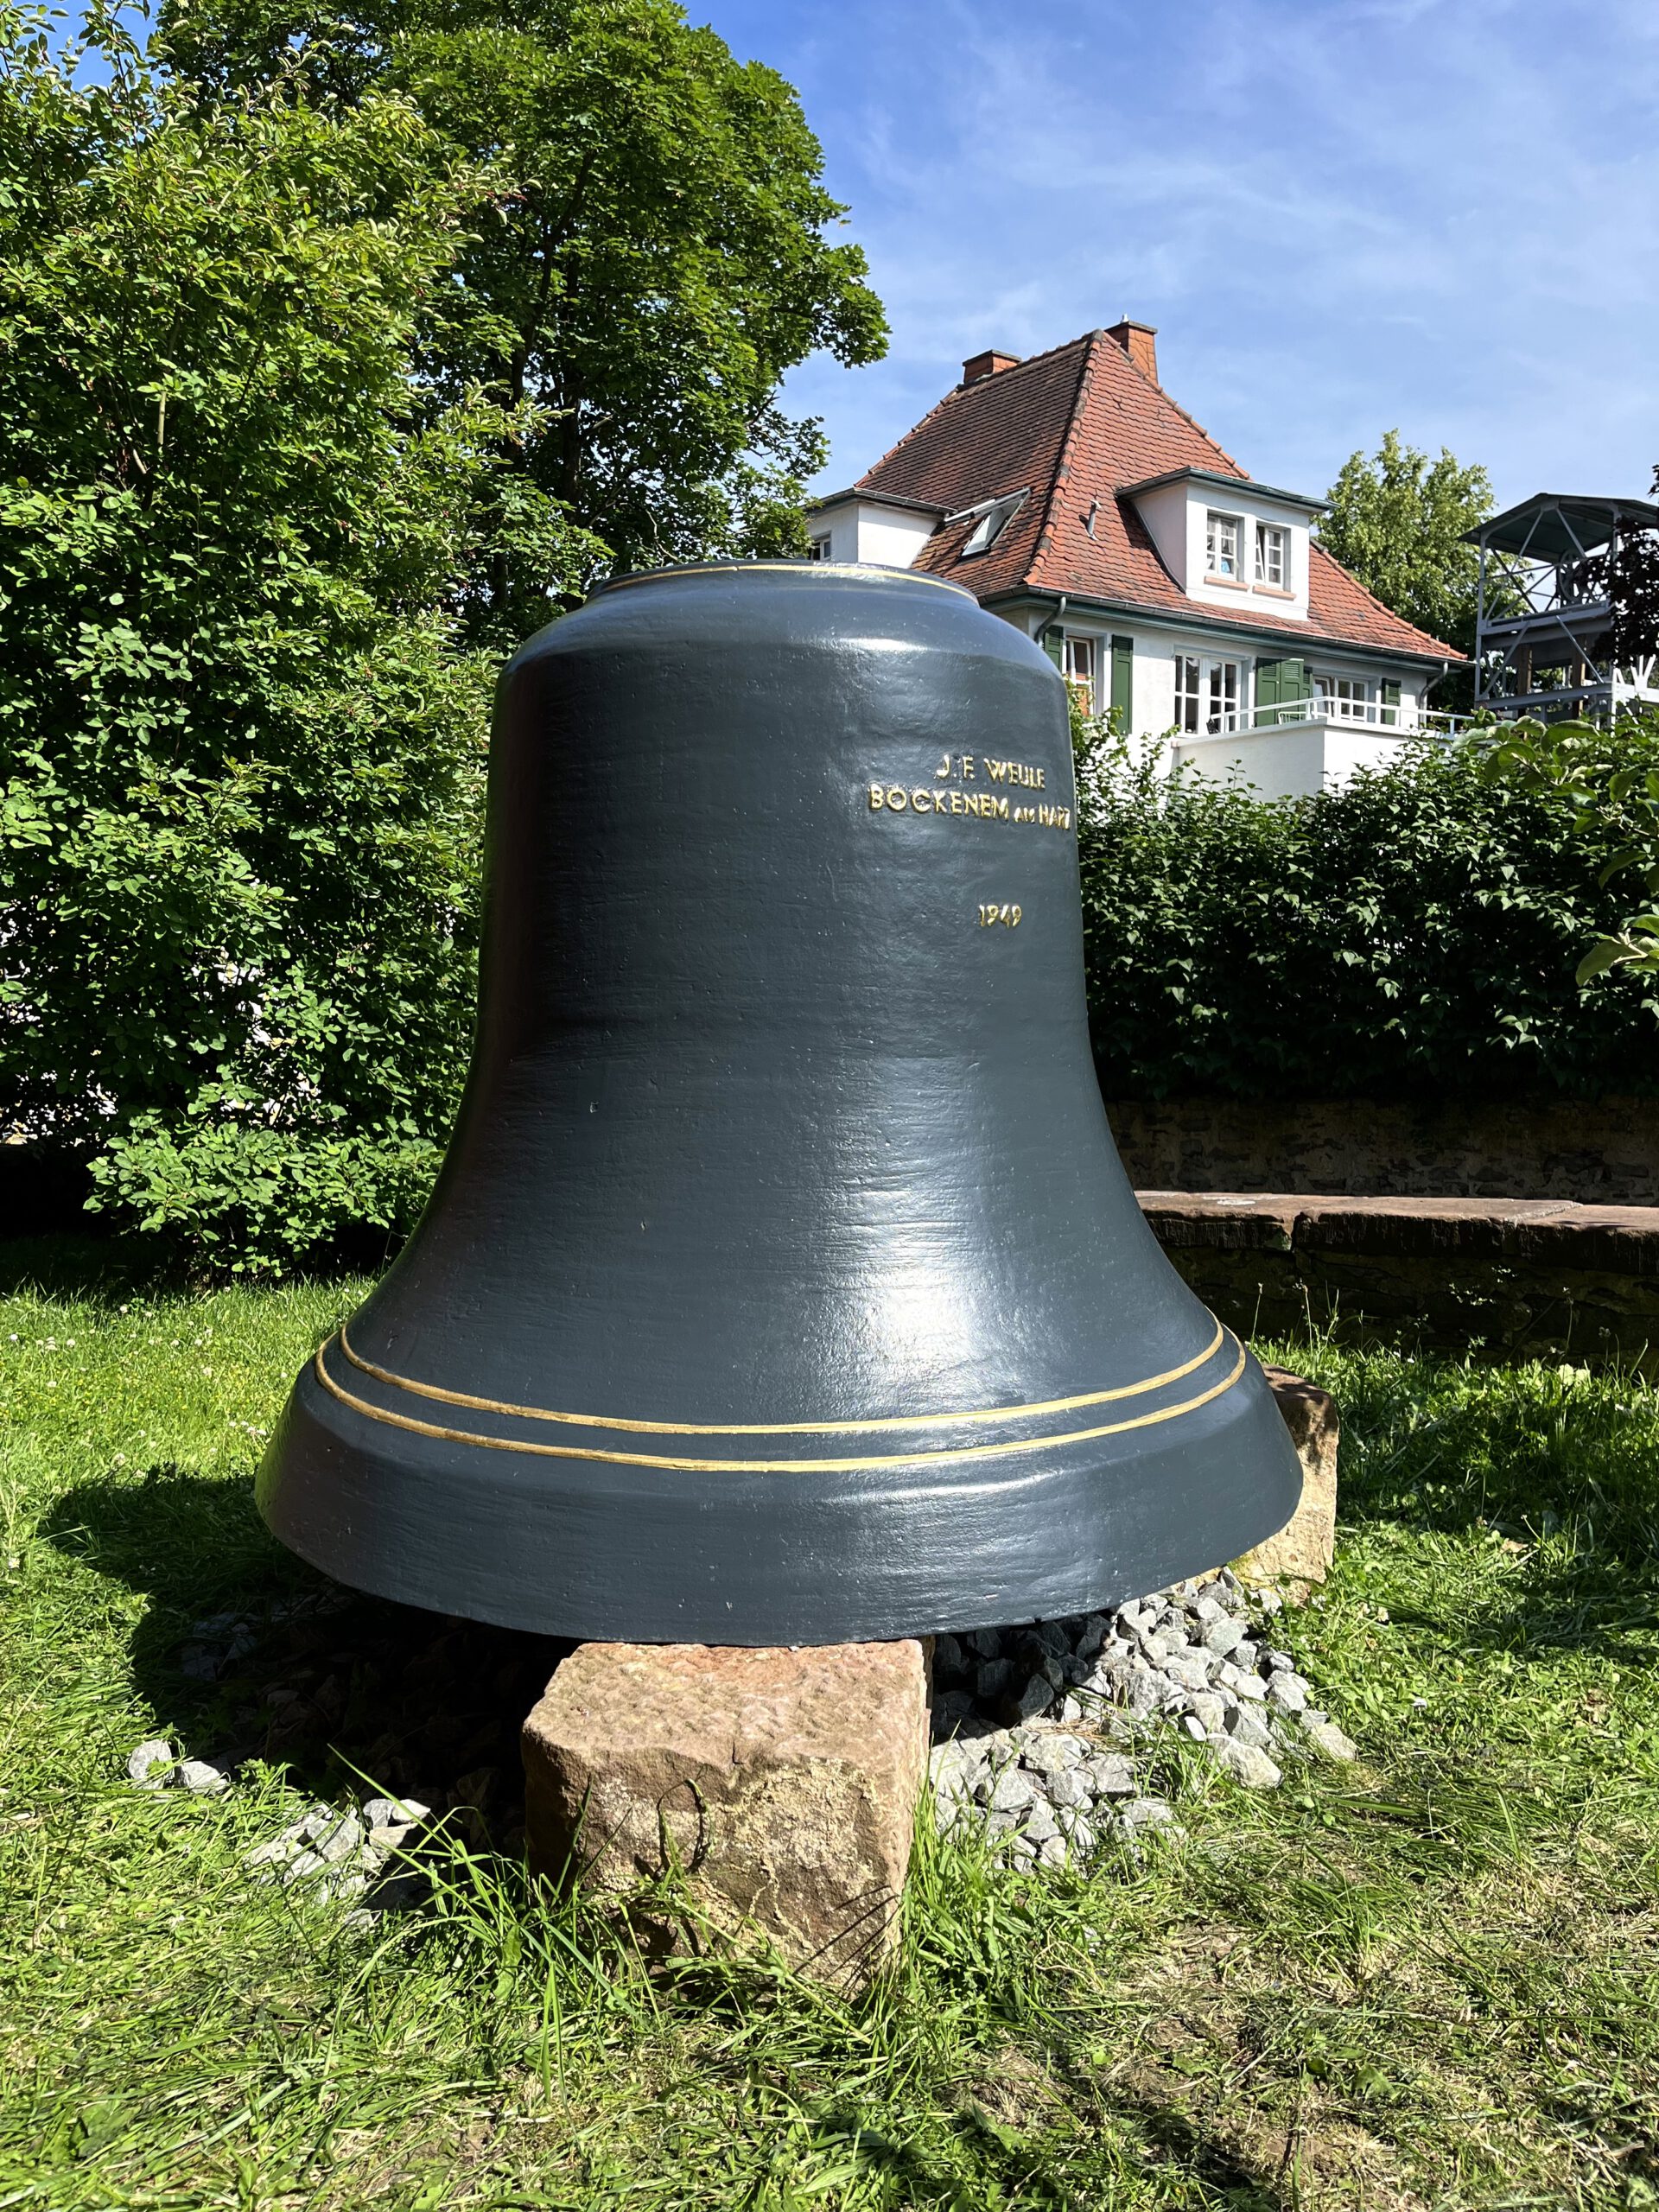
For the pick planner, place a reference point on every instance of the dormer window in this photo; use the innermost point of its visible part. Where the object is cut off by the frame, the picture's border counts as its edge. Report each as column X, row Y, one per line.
column 1253, row 538
column 1271, row 551
column 993, row 517
column 1221, row 537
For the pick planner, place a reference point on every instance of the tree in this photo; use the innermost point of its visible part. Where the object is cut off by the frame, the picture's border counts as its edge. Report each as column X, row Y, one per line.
column 655, row 259
column 321, row 346
column 241, row 721
column 1397, row 522
column 1627, row 576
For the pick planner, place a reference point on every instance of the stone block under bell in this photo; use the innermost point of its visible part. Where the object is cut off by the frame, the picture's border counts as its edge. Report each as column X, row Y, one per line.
column 779, row 1787
column 1304, row 1550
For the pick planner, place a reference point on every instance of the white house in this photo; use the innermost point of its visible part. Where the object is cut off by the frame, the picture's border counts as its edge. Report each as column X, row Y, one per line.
column 1076, row 501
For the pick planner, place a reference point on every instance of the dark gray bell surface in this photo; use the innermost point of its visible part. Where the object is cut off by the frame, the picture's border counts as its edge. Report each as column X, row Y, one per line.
column 782, row 1284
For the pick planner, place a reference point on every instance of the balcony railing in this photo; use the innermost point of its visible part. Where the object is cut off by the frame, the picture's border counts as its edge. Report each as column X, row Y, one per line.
column 1403, row 719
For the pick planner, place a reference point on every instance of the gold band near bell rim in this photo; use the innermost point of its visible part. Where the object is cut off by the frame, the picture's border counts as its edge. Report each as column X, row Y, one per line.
column 951, row 1455
column 1030, row 1412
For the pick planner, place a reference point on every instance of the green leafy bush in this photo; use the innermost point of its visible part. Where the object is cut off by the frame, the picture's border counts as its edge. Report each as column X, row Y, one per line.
column 1414, row 935
column 1613, row 788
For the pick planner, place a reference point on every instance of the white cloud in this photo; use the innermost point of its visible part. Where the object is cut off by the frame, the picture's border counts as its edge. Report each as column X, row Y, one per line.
column 1344, row 214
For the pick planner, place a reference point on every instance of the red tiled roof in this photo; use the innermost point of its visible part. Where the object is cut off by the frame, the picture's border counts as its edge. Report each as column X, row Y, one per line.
column 1074, row 424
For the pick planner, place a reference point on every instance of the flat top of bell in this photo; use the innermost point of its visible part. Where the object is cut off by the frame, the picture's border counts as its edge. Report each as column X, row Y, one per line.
column 802, row 571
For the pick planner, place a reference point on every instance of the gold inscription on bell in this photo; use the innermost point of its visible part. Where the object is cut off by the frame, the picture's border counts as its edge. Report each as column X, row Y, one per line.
column 985, row 806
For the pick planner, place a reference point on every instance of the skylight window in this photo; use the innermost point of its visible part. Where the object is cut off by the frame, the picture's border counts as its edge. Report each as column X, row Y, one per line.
column 993, row 517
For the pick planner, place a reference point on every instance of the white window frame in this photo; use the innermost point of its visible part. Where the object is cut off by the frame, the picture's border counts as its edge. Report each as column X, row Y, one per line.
column 1210, row 695
column 1080, row 665
column 1219, row 526
column 1345, row 697
column 1272, row 541
column 818, row 549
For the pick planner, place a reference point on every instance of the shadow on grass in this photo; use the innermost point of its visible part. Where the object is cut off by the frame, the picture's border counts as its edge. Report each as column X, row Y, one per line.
column 1560, row 1483
column 1032, row 2167
column 83, row 1266
column 246, row 1652
column 1167, row 2122
column 102, row 1269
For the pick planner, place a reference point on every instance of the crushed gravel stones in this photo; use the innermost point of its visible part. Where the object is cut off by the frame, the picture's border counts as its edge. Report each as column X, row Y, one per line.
column 1044, row 1735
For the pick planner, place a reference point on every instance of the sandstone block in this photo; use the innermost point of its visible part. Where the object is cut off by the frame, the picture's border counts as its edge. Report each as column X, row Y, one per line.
column 1304, row 1549
column 782, row 1784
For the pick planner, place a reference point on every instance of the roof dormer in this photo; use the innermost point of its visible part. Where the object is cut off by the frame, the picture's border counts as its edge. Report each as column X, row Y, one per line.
column 886, row 531
column 1228, row 541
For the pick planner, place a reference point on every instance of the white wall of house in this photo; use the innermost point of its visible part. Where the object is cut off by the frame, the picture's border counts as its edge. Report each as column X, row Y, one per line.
column 1165, row 513
column 892, row 539
column 1293, row 763
column 862, row 529
column 1279, row 763
column 1152, row 687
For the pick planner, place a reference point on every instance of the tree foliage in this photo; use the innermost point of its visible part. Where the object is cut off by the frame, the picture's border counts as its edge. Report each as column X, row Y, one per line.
column 1627, row 576
column 656, row 256
column 241, row 728
column 1397, row 521
column 333, row 358
column 1413, row 935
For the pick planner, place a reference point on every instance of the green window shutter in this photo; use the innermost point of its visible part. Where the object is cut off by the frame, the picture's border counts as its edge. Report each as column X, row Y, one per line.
column 1279, row 683
column 1123, row 685
column 1293, row 684
column 1391, row 699
column 1054, row 644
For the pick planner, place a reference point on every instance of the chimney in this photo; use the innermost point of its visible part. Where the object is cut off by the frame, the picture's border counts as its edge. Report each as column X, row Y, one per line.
column 987, row 365
column 1140, row 341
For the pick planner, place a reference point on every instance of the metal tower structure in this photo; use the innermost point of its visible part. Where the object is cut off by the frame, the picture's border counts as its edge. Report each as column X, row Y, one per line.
column 1547, row 642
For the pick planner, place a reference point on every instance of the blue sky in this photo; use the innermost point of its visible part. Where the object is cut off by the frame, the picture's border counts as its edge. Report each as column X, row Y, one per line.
column 1343, row 215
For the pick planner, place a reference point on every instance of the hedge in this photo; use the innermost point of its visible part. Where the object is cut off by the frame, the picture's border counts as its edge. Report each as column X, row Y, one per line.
column 1413, row 936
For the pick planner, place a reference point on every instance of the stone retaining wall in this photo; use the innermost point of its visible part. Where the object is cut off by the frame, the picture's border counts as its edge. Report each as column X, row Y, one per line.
column 1515, row 1278
column 1597, row 1152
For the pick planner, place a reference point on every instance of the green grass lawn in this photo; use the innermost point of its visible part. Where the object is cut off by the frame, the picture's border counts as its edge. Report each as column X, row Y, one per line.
column 1430, row 1980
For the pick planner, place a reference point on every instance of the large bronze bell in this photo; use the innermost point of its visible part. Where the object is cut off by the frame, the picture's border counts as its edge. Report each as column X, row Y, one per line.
column 782, row 1284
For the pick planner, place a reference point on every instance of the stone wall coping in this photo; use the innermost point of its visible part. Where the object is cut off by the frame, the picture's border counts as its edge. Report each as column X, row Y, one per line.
column 1611, row 1239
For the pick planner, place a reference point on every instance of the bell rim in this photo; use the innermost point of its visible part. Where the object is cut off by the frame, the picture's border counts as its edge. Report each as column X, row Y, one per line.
column 603, row 1551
